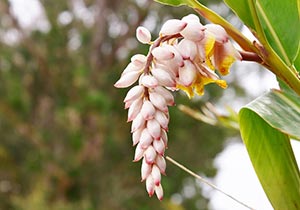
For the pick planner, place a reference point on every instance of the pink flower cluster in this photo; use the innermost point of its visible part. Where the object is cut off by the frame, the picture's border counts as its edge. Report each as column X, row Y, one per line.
column 184, row 56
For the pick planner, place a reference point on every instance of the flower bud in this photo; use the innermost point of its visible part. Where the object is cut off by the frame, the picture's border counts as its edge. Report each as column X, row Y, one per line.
column 166, row 94
column 137, row 123
column 139, row 152
column 149, row 81
column 134, row 109
column 139, row 60
column 163, row 77
column 134, row 93
column 162, row 119
column 187, row 49
column 143, row 35
column 154, row 128
column 161, row 163
column 158, row 101
column 159, row 192
column 159, row 146
column 150, row 186
column 162, row 53
column 127, row 79
column 146, row 139
column 156, row 175
column 148, row 110
column 187, row 74
column 136, row 135
column 146, row 170
column 194, row 31
column 150, row 155
column 218, row 31
column 190, row 18
column 172, row 26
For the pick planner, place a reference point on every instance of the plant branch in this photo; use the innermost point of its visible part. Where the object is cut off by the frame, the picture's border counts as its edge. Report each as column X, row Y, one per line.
column 206, row 182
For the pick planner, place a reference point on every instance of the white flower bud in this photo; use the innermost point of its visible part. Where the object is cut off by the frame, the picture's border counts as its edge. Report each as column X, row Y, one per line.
column 139, row 152
column 134, row 93
column 162, row 53
column 158, row 101
column 150, row 186
column 164, row 138
column 134, row 109
column 159, row 146
column 143, row 35
column 137, row 123
column 127, row 79
column 148, row 110
column 187, row 74
column 154, row 128
column 139, row 60
column 156, row 175
column 161, row 163
column 149, row 81
column 150, row 155
column 164, row 77
column 166, row 94
column 145, row 170
column 162, row 119
column 146, row 139
column 190, row 17
column 159, row 192
column 187, row 49
column 172, row 26
column 218, row 31
column 193, row 31
column 136, row 136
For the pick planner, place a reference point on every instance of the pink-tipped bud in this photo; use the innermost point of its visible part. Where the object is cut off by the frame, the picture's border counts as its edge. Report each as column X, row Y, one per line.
column 162, row 119
column 139, row 152
column 137, row 123
column 150, row 155
column 163, row 77
column 134, row 93
column 164, row 138
column 190, row 17
column 172, row 26
column 187, row 49
column 154, row 128
column 187, row 74
column 134, row 109
column 166, row 94
column 156, row 175
column 159, row 192
column 143, row 35
column 127, row 79
column 146, row 139
column 162, row 53
column 145, row 170
column 158, row 101
column 161, row 163
column 139, row 60
column 148, row 110
column 149, row 81
column 218, row 31
column 159, row 146
column 150, row 186
column 136, row 135
column 132, row 67
column 193, row 31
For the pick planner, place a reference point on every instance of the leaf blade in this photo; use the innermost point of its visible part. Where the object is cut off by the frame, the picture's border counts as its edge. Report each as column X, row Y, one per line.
column 273, row 160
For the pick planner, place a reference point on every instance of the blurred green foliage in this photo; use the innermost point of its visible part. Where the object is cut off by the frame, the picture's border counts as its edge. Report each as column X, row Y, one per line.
column 64, row 140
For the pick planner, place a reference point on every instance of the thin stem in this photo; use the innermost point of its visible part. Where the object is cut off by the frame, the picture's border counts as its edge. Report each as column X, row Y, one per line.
column 205, row 181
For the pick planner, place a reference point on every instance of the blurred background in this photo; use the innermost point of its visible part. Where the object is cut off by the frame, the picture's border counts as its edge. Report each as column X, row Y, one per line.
column 64, row 140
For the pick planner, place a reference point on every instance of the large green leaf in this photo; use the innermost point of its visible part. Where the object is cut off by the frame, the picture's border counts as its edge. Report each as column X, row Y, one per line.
column 277, row 21
column 242, row 9
column 280, row 22
column 273, row 160
column 280, row 110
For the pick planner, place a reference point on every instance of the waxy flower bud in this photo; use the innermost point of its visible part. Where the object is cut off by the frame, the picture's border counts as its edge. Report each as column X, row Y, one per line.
column 172, row 26
column 162, row 53
column 143, row 35
column 194, row 31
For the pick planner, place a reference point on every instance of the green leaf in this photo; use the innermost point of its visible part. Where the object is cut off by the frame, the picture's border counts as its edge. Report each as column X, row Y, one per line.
column 242, row 9
column 276, row 21
column 280, row 22
column 273, row 160
column 280, row 110
column 173, row 2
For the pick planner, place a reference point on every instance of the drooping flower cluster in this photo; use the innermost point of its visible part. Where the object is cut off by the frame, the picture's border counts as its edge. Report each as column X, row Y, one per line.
column 184, row 56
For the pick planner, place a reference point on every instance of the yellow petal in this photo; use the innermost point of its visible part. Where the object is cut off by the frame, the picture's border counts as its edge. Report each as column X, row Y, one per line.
column 188, row 90
column 224, row 56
